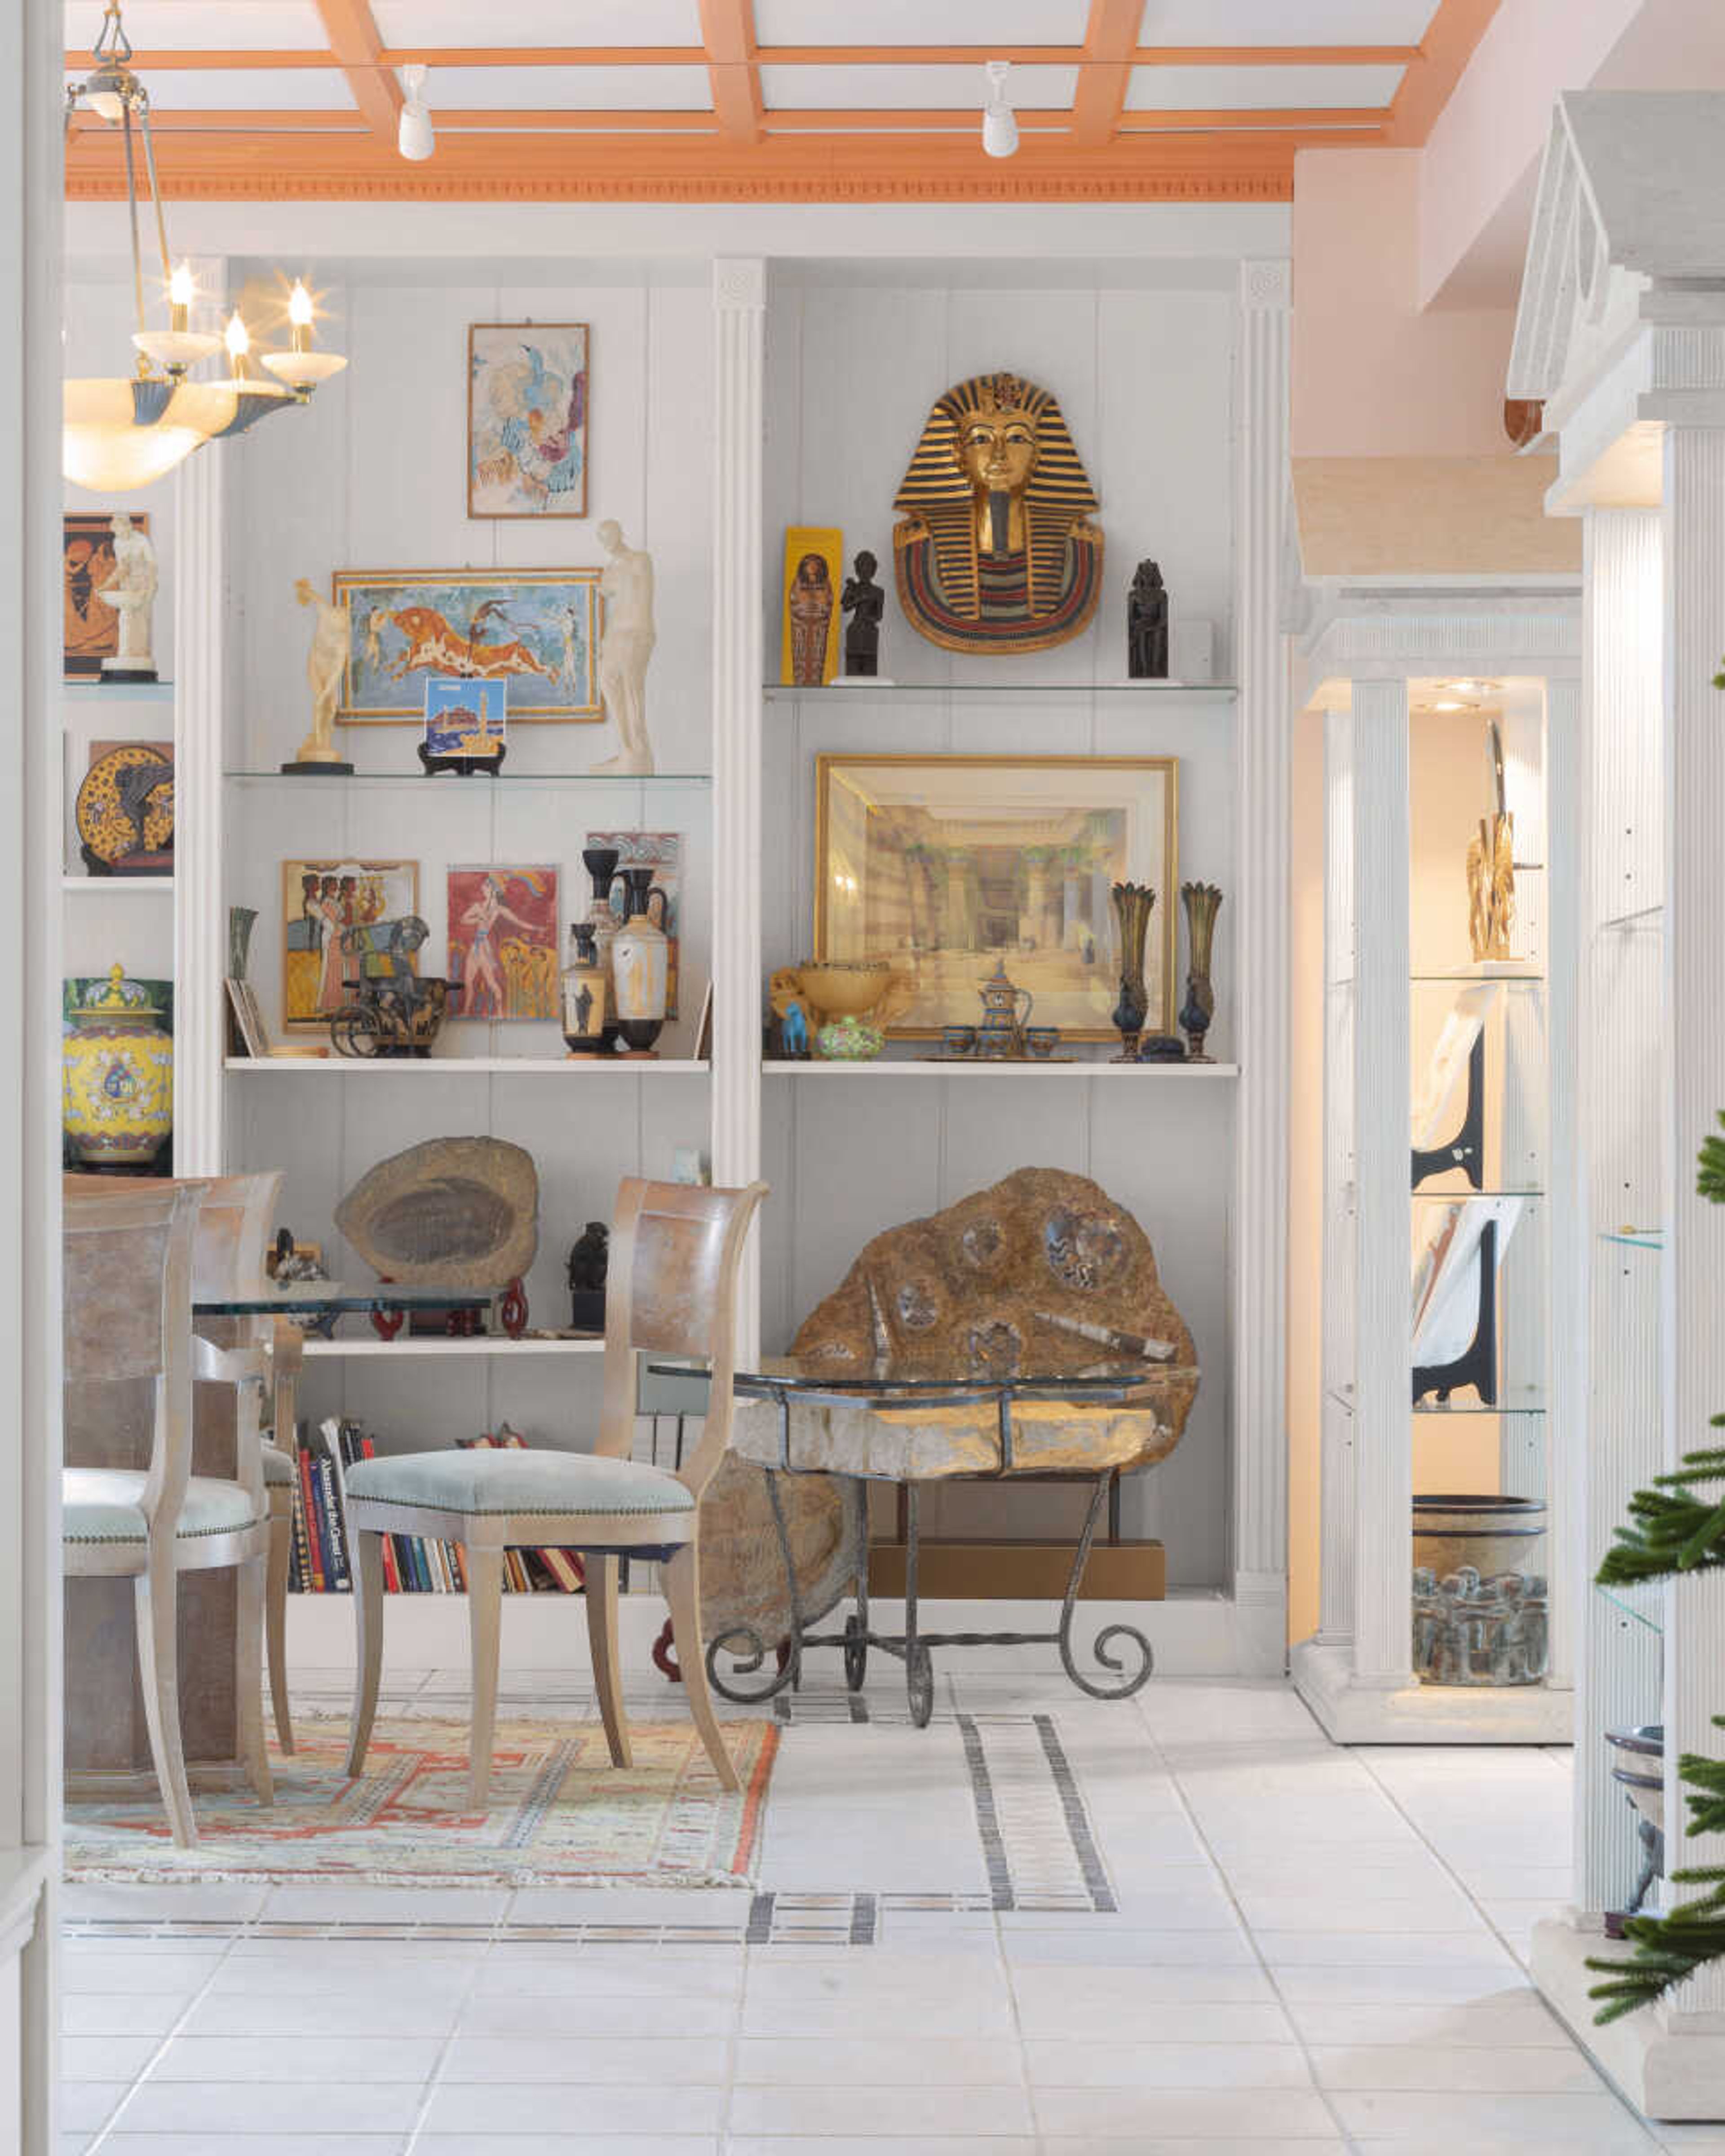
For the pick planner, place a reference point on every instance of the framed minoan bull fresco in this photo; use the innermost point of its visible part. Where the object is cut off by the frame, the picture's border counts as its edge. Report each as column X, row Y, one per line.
column 537, row 629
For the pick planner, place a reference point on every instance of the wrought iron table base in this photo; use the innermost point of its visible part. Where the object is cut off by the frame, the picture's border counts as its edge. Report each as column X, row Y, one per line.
column 912, row 1646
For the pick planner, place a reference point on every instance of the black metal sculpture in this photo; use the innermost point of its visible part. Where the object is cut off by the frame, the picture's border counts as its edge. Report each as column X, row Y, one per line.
column 1147, row 625
column 589, row 1262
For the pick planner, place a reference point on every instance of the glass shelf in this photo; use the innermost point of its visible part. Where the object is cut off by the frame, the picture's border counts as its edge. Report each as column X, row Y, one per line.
column 1635, row 1239
column 1474, row 977
column 1427, row 1408
column 1643, row 1604
column 119, row 692
column 1643, row 917
column 1067, row 692
column 450, row 783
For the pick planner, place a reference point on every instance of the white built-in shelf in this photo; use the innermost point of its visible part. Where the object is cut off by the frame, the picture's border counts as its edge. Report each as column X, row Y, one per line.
column 992, row 692
column 111, row 886
column 439, row 1349
column 471, row 1066
column 118, row 692
column 1635, row 1239
column 448, row 782
column 927, row 1067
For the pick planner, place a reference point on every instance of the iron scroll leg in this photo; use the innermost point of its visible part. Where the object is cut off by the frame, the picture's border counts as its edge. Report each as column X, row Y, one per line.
column 856, row 1626
column 919, row 1665
column 743, row 1642
column 1146, row 1660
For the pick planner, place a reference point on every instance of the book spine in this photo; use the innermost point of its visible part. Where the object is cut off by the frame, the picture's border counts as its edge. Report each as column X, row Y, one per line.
column 334, row 1528
column 299, row 1568
column 308, row 1494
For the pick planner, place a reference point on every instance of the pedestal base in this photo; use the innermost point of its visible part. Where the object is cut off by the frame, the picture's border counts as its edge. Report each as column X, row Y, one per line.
column 337, row 770
column 1353, row 1713
column 123, row 670
column 1669, row 2065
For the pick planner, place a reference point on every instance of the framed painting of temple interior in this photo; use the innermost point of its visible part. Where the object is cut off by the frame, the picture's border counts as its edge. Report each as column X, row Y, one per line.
column 319, row 899
column 527, row 386
column 946, row 865
column 503, row 943
column 90, row 628
column 536, row 630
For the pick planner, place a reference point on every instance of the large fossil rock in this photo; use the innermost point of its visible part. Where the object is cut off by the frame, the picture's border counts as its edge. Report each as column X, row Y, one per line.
column 1020, row 1277
column 455, row 1213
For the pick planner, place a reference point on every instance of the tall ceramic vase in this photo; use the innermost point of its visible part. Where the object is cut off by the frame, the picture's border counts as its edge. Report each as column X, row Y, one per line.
column 1132, row 903
column 587, row 993
column 1203, row 901
column 600, row 863
column 117, row 1087
column 640, row 968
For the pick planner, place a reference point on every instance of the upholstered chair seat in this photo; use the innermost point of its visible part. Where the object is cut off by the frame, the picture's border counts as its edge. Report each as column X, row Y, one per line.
column 106, row 1504
column 278, row 1468
column 484, row 1482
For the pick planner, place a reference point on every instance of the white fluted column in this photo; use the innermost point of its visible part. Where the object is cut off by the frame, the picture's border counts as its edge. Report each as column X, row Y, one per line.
column 1341, row 1223
column 1607, row 1294
column 1694, row 553
column 200, row 893
column 1260, row 1312
column 739, row 294
column 1383, row 1446
column 1561, row 1446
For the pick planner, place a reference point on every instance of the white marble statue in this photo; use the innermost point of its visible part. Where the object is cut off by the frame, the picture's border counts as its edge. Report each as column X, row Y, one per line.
column 624, row 648
column 131, row 591
column 325, row 668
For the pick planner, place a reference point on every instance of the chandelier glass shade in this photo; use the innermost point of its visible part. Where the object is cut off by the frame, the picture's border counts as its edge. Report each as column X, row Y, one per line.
column 121, row 432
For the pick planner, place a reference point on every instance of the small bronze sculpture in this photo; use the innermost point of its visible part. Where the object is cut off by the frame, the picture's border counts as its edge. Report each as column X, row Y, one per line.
column 589, row 1261
column 1147, row 625
column 865, row 602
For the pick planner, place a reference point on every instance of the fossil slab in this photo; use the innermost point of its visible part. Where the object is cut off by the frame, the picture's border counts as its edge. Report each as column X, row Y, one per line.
column 456, row 1213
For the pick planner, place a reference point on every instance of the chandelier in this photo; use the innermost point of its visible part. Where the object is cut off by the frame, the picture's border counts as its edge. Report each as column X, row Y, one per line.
column 122, row 432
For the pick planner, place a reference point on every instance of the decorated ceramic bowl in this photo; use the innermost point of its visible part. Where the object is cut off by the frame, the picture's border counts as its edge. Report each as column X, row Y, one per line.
column 848, row 1040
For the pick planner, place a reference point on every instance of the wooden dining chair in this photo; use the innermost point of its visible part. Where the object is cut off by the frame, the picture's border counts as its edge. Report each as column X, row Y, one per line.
column 129, row 1263
column 676, row 1253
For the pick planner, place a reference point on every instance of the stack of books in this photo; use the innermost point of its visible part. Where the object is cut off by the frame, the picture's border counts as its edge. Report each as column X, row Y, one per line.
column 413, row 1565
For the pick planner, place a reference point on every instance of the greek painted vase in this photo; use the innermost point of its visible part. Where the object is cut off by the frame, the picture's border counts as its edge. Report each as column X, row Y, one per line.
column 117, row 1081
column 641, row 968
column 587, row 995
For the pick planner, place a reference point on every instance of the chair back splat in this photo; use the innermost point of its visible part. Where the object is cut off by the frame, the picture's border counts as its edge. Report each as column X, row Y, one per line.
column 676, row 1252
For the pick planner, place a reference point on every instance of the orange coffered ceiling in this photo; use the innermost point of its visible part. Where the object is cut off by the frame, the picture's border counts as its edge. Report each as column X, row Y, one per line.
column 714, row 100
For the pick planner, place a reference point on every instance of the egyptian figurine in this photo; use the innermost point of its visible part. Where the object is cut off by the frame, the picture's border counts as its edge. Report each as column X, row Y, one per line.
column 993, row 549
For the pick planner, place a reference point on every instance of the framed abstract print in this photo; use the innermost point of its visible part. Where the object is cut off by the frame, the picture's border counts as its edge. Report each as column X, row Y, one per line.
column 319, row 899
column 503, row 943
column 947, row 865
column 536, row 630
column 90, row 628
column 526, row 418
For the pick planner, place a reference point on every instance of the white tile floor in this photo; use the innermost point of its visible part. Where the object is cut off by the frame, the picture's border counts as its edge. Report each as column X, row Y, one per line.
column 1312, row 1951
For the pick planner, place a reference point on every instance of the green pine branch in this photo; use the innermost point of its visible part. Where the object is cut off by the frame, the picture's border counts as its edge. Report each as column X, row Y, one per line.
column 1670, row 1530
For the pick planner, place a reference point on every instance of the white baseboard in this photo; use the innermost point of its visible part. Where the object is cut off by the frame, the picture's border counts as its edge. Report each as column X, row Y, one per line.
column 1192, row 1635
column 1669, row 2065
column 1427, row 1714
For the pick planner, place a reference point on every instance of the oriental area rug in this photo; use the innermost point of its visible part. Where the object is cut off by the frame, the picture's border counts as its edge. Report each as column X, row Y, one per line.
column 559, row 1813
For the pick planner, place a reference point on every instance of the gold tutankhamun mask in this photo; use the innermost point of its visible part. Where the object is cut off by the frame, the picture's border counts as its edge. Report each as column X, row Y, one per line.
column 994, row 551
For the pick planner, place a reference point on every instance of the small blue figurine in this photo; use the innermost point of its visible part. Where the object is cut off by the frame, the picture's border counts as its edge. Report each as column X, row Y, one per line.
column 794, row 1032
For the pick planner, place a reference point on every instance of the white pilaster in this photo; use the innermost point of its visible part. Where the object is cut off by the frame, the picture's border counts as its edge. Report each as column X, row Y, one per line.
column 1694, row 552
column 200, row 903
column 1341, row 1223
column 739, row 294
column 1261, row 1437
column 1610, row 1297
column 1561, row 1447
column 1383, row 1447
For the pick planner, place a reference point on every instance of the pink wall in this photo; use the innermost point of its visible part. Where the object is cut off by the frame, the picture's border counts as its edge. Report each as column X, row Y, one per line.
column 1373, row 377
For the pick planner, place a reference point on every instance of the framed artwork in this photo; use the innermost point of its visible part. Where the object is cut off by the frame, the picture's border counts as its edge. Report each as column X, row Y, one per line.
column 661, row 851
column 319, row 899
column 465, row 718
column 91, row 629
column 503, row 943
column 536, row 630
column 947, row 865
column 527, row 395
column 813, row 579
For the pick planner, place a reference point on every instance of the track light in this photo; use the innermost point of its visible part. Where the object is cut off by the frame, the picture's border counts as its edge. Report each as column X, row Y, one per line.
column 413, row 136
column 1000, row 131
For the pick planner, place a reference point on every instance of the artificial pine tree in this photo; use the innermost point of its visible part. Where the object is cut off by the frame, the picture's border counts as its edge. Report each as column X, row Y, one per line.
column 1671, row 1531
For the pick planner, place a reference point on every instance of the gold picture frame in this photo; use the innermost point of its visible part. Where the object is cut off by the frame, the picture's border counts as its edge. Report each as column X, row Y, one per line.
column 1035, row 842
column 537, row 629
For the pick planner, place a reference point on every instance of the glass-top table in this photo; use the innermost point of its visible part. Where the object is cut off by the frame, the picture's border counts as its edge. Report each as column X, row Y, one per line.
column 1127, row 1374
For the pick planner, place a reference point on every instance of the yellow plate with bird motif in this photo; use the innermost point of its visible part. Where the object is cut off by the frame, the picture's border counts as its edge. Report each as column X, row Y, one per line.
column 126, row 805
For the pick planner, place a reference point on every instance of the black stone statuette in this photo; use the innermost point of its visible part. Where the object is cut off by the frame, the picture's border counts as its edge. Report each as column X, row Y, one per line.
column 865, row 602
column 1147, row 625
